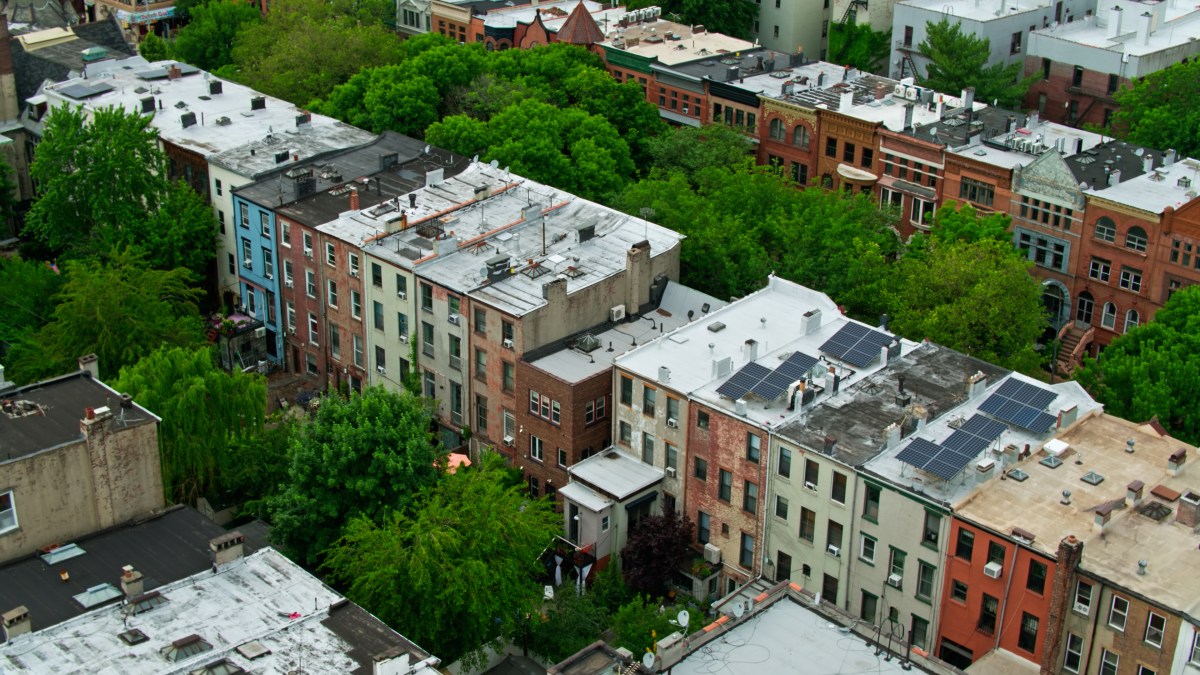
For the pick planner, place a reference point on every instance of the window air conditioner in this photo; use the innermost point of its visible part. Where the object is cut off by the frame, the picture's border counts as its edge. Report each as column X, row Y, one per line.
column 403, row 338
column 260, row 333
column 810, row 486
column 308, row 253
column 833, row 551
column 247, row 262
column 508, row 344
column 671, row 471
column 270, row 277
column 381, row 369
column 453, row 318
column 894, row 580
column 287, row 283
column 672, row 422
column 354, row 273
column 402, row 295
column 992, row 569
column 508, row 440
column 712, row 554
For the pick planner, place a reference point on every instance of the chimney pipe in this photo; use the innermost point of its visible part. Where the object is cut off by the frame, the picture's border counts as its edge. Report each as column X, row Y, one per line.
column 226, row 549
column 1144, row 27
column 1147, row 163
column 1176, row 461
column 16, row 622
column 353, row 199
column 968, row 97
column 132, row 583
column 1114, row 178
column 750, row 350
column 846, row 101
column 1114, row 21
column 90, row 364
column 1133, row 493
column 908, row 116
column 1169, row 158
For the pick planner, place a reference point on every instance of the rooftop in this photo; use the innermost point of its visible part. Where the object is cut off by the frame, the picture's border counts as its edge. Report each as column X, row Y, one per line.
column 1173, row 185
column 1172, row 24
column 61, row 56
column 206, row 114
column 520, row 234
column 752, row 69
column 589, row 354
column 616, row 473
column 46, row 415
column 1097, row 469
column 164, row 549
column 973, row 10
column 668, row 42
column 553, row 14
column 262, row 613
column 1027, row 141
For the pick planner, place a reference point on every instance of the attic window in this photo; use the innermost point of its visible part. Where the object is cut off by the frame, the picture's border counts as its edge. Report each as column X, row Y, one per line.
column 147, row 601
column 97, row 595
column 133, row 636
column 1155, row 511
column 1092, row 478
column 185, row 647
column 1084, row 159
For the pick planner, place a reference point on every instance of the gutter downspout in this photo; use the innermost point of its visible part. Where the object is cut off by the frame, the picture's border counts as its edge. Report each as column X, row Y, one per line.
column 1004, row 603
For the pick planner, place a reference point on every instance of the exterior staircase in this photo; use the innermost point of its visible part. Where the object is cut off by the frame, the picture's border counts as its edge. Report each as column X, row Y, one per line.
column 1073, row 340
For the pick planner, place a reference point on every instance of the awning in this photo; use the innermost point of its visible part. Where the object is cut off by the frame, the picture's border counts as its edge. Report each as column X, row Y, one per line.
column 678, row 119
column 853, row 173
column 928, row 194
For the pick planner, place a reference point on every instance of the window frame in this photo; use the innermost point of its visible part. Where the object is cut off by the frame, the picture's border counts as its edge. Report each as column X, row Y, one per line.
column 1077, row 653
column 11, row 510
column 1112, row 612
column 1162, row 631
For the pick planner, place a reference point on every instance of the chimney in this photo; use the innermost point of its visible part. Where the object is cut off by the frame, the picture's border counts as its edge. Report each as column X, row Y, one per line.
column 1103, row 516
column 353, row 199
column 412, row 200
column 1147, row 163
column 16, row 621
column 90, row 364
column 554, row 292
column 908, row 116
column 1169, row 158
column 1133, row 493
column 1114, row 21
column 173, row 72
column 829, row 445
column 921, row 413
column 1176, row 461
column 226, row 549
column 968, row 98
column 132, row 583
column 984, row 470
column 832, row 381
column 1114, row 178
column 1012, row 123
column 1033, row 119
column 880, row 91
column 891, row 435
column 810, row 322
column 941, row 106
column 1143, row 33
column 739, row 407
column 797, row 397
column 1188, row 513
column 976, row 384
column 750, row 350
column 1009, row 455
column 1062, row 598
column 846, row 100
column 1067, row 417
column 664, row 375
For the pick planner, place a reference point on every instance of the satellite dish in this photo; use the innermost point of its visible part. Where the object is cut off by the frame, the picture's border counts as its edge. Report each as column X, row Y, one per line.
column 738, row 610
column 426, row 149
column 683, row 618
column 475, row 159
column 494, row 164
column 648, row 660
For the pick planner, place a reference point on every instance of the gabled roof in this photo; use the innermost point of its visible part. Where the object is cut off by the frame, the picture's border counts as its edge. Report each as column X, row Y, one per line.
column 580, row 28
column 63, row 60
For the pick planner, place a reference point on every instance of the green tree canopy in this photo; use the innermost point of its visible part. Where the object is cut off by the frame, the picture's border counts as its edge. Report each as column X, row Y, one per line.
column 959, row 60
column 154, row 48
column 1162, row 110
column 207, row 40
column 361, row 456
column 858, row 45
column 960, row 222
column 102, row 185
column 731, row 17
column 117, row 308
column 24, row 306
column 655, row 548
column 459, row 569
column 568, row 624
column 693, row 149
column 638, row 625
column 203, row 409
column 1153, row 370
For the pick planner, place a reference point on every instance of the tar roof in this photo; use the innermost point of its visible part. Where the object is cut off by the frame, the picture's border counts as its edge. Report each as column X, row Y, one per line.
column 1171, row 185
column 616, row 474
column 164, row 549
column 593, row 352
column 1097, row 449
column 747, row 66
column 956, row 126
column 263, row 605
column 858, row 415
column 51, row 416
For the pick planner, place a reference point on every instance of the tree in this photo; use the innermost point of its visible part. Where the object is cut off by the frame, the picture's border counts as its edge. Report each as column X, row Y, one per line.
column 457, row 571
column 977, row 298
column 154, row 48
column 859, row 45
column 207, row 40
column 693, row 149
column 960, row 222
column 1153, row 369
column 570, row 623
column 639, row 624
column 731, row 17
column 1162, row 110
column 361, row 456
column 256, row 465
column 24, row 306
column 203, row 409
column 117, row 308
column 653, row 552
column 959, row 60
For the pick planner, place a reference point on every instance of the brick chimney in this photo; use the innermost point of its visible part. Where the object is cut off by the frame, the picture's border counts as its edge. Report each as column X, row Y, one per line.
column 1176, row 461
column 353, row 199
column 16, row 622
column 1188, row 513
column 1070, row 552
column 226, row 549
column 1133, row 493
column 132, row 583
column 174, row 72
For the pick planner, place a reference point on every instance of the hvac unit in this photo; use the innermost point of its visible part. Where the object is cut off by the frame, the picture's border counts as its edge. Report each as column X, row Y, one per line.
column 403, row 338
column 270, row 277
column 712, row 554
column 910, row 93
column 453, row 318
column 247, row 263
column 992, row 569
column 260, row 332
column 670, row 472
column 898, row 91
column 307, row 252
column 287, row 283
column 672, row 422
column 354, row 273
column 894, row 580
column 402, row 295
column 508, row 343
column 811, row 486
column 617, row 313
column 508, row 440
column 834, row 551
column 381, row 369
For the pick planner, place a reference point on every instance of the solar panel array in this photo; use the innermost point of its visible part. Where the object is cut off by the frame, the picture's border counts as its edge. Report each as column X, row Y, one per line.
column 764, row 382
column 947, row 459
column 82, row 91
column 1022, row 404
column 856, row 344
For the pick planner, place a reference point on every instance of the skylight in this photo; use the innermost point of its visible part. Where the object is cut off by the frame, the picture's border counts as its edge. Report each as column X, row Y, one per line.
column 97, row 595
column 185, row 647
column 1092, row 478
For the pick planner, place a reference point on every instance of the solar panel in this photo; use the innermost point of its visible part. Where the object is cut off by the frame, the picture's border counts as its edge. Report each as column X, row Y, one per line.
column 743, row 381
column 82, row 91
column 919, row 452
column 961, row 441
column 982, row 427
column 796, row 367
column 861, row 356
column 947, row 465
column 856, row 344
column 1022, row 404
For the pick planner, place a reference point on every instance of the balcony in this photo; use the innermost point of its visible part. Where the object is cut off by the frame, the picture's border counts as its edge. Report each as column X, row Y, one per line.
column 907, row 46
column 698, row 578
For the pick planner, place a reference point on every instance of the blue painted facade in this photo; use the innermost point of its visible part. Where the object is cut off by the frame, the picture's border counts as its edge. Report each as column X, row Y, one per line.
column 260, row 272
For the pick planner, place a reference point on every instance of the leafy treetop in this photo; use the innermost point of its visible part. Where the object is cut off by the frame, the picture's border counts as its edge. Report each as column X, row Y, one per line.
column 959, row 60
column 1162, row 110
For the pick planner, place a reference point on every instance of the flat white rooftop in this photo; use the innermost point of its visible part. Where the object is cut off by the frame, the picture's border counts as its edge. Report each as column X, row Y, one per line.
column 1173, row 24
column 1171, row 185
column 554, row 14
column 616, row 473
column 1026, row 143
column 670, row 43
column 974, row 10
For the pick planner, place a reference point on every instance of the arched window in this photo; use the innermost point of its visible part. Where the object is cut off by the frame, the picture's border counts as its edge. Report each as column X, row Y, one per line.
column 1083, row 308
column 800, row 137
column 1135, row 239
column 777, row 130
column 1106, row 229
column 1131, row 320
column 1109, row 318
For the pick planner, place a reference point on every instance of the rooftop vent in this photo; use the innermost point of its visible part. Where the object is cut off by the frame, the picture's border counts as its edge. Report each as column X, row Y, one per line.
column 304, row 119
column 57, row 554
column 146, row 602
column 281, row 157
column 188, row 119
column 93, row 54
column 222, row 667
column 258, row 103
column 588, row 343
column 1184, row 182
column 1092, row 478
column 148, row 104
column 1156, row 511
column 716, row 327
column 224, row 121
column 215, row 87
column 97, row 595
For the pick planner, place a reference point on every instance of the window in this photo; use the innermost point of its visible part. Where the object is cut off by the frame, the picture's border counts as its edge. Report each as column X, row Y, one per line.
column 1108, row 318
column 753, row 447
column 800, row 173
column 232, row 260
column 933, row 525
column 244, row 213
column 848, row 152
column 1143, row 670
column 833, row 534
column 1083, row 597
column 672, row 456
column 335, row 342
column 700, row 471
column 246, row 259
column 314, row 329
column 749, row 497
column 1156, row 627
column 808, row 524
column 812, row 474
column 925, row 575
column 354, row 264
column 1135, row 239
column 480, row 365
column 426, row 338
column 703, row 523
column 310, row 283
column 331, row 293
column 777, row 130
column 508, row 377
column 626, row 391
column 481, row 413
column 837, row 492
column 781, row 507
column 1014, row 46
column 625, row 433
column 1084, row 308
column 358, row 351
column 958, row 590
column 648, row 398
column 426, row 297
column 1109, row 662
column 534, row 400
column 785, row 463
column 995, row 553
column 1027, row 638
column 287, row 272
column 648, row 448
column 831, row 147
column 380, row 358
column 866, row 549
column 976, row 191
column 593, row 410
column 1118, row 612
column 920, row 632
column 1074, row 653
column 868, row 157
column 533, row 487
column 330, row 255
column 1077, row 76
column 8, row 512
column 535, row 447
column 355, row 304
column 1100, row 269
column 376, row 275
column 510, row 424
column 746, row 555
column 1106, row 229
column 987, row 614
column 800, row 137
column 869, row 608
column 871, row 503
column 291, row 316
column 701, row 419
column 1131, row 279
column 896, row 564
column 1036, row 580
column 1195, row 657
column 1043, row 250
column 965, row 545
column 378, row 314
column 268, row 263
column 725, row 486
